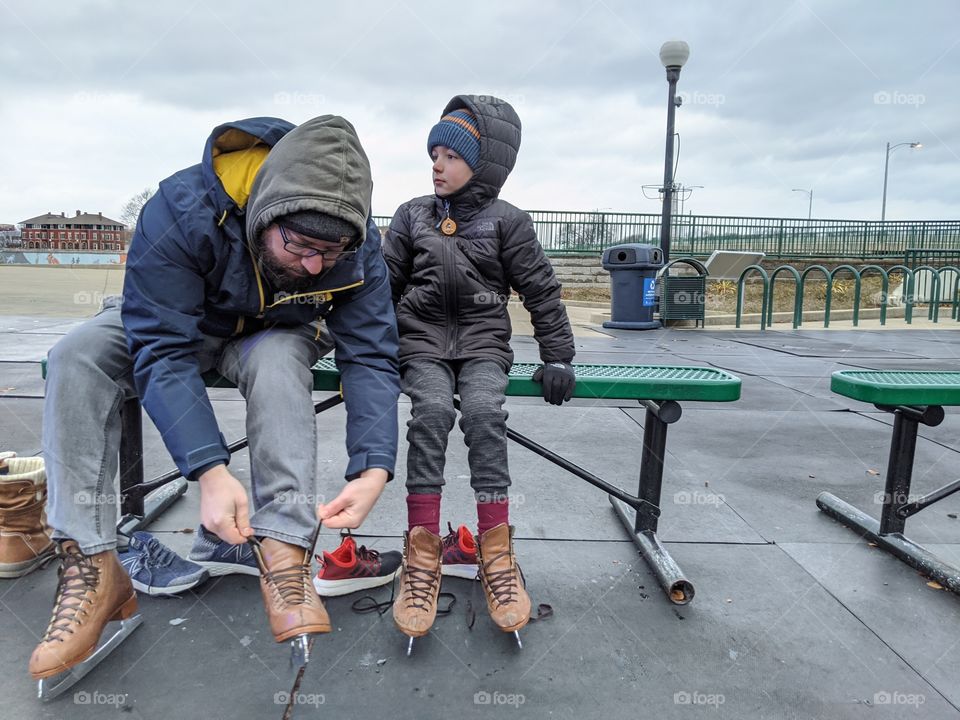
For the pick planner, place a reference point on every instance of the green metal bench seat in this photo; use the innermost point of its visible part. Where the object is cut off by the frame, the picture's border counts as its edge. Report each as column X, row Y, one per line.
column 914, row 397
column 659, row 388
column 622, row 382
column 898, row 387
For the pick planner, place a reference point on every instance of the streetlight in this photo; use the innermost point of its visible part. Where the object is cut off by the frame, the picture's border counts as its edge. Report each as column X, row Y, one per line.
column 685, row 191
column 810, row 205
column 886, row 166
column 673, row 54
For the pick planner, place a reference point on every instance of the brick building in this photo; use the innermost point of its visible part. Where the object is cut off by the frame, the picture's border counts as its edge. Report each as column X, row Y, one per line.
column 83, row 231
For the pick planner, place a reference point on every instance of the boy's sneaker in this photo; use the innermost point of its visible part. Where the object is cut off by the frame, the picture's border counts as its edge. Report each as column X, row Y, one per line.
column 350, row 568
column 222, row 558
column 155, row 569
column 459, row 553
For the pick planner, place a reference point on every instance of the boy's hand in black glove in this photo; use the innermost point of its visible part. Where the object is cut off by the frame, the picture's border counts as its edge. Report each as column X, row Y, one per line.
column 558, row 381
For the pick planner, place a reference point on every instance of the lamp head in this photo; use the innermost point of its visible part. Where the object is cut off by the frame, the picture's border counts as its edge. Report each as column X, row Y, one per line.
column 674, row 53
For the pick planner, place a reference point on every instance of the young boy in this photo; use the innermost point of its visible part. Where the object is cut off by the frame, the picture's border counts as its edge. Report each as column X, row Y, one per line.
column 454, row 258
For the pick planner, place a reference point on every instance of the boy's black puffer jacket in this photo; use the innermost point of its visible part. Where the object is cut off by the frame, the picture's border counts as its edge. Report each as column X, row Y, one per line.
column 451, row 291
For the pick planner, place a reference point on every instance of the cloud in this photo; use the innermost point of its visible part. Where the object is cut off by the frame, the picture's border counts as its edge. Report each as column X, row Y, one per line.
column 100, row 99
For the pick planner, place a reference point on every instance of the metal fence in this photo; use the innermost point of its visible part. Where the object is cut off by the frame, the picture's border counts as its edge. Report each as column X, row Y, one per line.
column 566, row 233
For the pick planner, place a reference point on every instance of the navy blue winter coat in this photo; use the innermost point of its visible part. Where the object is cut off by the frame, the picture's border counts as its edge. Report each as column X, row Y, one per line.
column 190, row 272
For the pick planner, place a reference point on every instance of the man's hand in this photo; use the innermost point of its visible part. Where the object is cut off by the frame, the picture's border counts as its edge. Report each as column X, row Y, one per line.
column 558, row 381
column 350, row 508
column 224, row 510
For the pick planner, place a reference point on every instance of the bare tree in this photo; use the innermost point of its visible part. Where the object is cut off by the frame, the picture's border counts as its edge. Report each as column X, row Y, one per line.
column 131, row 211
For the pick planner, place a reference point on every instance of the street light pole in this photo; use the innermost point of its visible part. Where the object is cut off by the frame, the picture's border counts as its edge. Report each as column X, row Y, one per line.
column 810, row 204
column 886, row 167
column 673, row 54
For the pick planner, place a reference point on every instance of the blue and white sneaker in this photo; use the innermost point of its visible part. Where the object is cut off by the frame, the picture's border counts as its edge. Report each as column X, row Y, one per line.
column 222, row 558
column 155, row 569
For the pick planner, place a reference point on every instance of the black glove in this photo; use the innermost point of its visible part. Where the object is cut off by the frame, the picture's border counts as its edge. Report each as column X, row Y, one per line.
column 558, row 381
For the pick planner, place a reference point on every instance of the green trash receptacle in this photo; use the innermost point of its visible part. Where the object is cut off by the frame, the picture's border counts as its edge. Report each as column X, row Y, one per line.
column 683, row 297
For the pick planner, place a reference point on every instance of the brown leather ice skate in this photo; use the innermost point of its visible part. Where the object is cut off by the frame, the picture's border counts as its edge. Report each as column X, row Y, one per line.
column 503, row 584
column 92, row 591
column 25, row 543
column 293, row 606
column 415, row 608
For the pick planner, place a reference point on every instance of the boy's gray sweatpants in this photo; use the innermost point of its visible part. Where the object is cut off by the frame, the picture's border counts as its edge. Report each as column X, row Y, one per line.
column 90, row 373
column 482, row 386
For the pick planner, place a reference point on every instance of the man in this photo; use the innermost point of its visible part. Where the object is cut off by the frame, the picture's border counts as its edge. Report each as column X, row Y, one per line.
column 234, row 264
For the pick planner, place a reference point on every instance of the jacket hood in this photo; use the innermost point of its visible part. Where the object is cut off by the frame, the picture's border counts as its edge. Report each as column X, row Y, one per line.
column 499, row 127
column 318, row 166
column 241, row 144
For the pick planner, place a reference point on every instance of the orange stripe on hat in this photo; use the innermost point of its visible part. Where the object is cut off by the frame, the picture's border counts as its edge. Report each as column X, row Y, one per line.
column 470, row 127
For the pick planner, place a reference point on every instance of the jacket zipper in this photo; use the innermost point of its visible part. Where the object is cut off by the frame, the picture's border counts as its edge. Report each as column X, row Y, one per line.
column 449, row 269
column 324, row 295
column 256, row 273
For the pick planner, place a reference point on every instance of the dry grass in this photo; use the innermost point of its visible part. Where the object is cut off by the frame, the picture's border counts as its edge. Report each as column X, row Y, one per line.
column 585, row 294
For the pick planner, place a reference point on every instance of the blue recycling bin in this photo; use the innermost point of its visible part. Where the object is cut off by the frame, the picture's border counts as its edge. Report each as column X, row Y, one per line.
column 633, row 271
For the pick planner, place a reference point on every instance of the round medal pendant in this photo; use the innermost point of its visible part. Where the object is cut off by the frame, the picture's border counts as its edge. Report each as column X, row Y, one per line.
column 448, row 227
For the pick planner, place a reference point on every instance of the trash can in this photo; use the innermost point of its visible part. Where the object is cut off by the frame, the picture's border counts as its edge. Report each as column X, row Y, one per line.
column 683, row 297
column 633, row 285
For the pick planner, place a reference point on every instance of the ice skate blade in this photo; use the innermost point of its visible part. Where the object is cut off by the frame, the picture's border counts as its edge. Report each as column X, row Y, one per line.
column 300, row 651
column 51, row 687
column 516, row 634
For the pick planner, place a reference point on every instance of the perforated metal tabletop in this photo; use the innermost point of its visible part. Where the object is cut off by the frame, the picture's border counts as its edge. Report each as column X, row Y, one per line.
column 641, row 382
column 898, row 387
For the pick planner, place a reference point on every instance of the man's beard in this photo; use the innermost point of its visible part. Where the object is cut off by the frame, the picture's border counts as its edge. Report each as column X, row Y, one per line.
column 280, row 276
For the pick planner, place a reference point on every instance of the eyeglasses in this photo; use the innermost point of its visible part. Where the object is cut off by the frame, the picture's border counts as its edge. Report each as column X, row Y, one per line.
column 302, row 250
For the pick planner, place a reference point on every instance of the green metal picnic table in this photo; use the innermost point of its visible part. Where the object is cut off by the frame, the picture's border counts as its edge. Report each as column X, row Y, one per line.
column 914, row 397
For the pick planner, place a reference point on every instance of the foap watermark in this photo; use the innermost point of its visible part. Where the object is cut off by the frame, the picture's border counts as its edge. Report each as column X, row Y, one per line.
column 85, row 497
column 96, row 298
column 484, row 697
column 884, row 498
column 689, row 298
column 298, row 698
column 684, row 697
column 83, row 697
column 698, row 498
column 695, row 97
column 489, row 297
column 297, row 97
column 514, row 99
column 93, row 98
column 895, row 97
column 299, row 298
column 295, row 497
column 515, row 499
column 898, row 698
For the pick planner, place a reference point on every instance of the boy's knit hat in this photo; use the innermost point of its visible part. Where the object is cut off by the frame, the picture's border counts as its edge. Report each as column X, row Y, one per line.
column 318, row 225
column 459, row 132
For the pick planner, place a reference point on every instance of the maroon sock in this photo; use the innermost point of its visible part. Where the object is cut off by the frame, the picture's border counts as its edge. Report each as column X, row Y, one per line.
column 491, row 514
column 424, row 510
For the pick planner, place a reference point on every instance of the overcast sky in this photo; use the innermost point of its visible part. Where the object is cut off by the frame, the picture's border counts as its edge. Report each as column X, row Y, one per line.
column 99, row 100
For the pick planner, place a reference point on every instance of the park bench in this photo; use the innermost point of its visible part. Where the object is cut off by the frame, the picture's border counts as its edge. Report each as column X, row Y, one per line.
column 914, row 398
column 659, row 388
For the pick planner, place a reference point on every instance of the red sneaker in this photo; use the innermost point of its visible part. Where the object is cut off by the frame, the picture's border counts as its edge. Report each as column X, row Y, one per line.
column 459, row 553
column 349, row 569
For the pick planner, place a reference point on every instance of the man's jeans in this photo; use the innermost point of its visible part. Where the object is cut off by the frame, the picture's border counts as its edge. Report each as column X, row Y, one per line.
column 90, row 374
